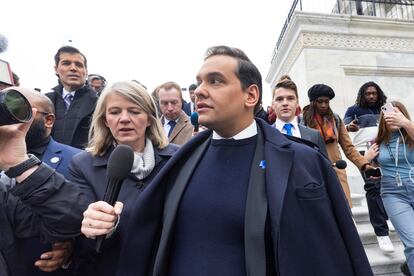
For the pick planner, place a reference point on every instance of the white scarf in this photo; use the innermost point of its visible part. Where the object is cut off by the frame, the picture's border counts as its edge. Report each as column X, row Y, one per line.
column 144, row 162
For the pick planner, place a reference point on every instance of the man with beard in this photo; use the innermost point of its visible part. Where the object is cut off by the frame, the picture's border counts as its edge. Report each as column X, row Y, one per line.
column 361, row 121
column 57, row 156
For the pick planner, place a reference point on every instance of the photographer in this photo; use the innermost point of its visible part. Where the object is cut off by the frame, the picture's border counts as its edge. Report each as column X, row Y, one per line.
column 41, row 204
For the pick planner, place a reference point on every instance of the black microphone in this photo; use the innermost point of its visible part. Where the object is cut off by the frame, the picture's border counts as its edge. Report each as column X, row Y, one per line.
column 3, row 43
column 340, row 164
column 119, row 166
column 194, row 121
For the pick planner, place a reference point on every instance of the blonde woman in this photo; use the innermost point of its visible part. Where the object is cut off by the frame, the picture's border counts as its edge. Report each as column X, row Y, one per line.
column 125, row 114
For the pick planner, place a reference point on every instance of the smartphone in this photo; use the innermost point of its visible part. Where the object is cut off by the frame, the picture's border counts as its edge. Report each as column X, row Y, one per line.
column 373, row 172
column 387, row 108
column 355, row 121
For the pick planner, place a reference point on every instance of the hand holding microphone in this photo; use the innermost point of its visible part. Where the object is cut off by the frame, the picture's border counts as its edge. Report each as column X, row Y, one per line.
column 100, row 217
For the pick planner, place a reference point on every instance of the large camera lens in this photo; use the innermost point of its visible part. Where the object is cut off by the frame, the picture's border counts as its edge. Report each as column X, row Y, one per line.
column 14, row 108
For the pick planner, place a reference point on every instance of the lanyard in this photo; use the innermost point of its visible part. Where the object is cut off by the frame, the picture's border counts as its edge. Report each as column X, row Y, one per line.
column 397, row 174
column 396, row 152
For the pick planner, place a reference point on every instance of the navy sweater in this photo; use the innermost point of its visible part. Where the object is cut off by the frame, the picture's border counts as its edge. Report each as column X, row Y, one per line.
column 209, row 231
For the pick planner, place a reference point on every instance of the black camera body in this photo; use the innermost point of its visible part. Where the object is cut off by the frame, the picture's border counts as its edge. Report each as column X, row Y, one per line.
column 14, row 108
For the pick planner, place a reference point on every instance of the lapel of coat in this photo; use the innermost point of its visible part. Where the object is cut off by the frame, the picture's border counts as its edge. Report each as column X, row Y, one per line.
column 256, row 213
column 53, row 154
column 88, row 101
column 171, row 206
column 279, row 161
column 179, row 126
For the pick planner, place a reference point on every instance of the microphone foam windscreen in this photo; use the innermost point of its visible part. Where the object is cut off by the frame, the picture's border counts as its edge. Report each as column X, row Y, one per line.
column 341, row 164
column 194, row 118
column 120, row 162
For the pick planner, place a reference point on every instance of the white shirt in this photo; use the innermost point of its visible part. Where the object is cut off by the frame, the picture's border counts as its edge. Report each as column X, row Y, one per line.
column 191, row 107
column 65, row 92
column 248, row 132
column 279, row 124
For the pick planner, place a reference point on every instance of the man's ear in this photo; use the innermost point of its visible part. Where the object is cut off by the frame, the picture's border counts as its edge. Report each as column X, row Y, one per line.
column 50, row 120
column 252, row 96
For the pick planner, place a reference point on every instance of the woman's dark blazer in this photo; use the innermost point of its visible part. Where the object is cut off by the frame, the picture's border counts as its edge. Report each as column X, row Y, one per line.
column 90, row 173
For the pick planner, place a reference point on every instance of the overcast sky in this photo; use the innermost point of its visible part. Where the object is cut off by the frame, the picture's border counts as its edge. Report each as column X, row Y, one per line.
column 150, row 41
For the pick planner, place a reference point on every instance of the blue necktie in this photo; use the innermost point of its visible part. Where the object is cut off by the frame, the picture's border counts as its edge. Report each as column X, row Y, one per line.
column 172, row 125
column 288, row 128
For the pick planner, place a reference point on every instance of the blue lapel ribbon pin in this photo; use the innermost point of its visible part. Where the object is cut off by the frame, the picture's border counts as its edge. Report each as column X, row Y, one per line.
column 262, row 164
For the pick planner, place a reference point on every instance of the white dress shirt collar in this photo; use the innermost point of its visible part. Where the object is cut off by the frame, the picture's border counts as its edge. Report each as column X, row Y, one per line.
column 65, row 92
column 248, row 132
column 279, row 124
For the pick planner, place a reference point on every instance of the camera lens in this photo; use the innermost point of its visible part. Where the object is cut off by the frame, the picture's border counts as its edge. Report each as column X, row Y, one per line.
column 14, row 108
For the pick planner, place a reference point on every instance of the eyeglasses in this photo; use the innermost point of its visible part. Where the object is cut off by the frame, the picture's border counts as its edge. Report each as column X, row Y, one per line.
column 43, row 112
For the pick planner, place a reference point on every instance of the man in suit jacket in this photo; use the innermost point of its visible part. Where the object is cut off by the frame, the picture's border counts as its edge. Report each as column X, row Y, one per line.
column 189, row 107
column 57, row 156
column 176, row 123
column 285, row 103
column 73, row 99
column 240, row 198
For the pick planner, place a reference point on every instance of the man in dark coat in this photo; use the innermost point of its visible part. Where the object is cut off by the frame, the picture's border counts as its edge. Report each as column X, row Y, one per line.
column 241, row 199
column 74, row 101
column 41, row 204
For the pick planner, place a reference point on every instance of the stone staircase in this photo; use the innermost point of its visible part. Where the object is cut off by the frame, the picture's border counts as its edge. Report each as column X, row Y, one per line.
column 382, row 263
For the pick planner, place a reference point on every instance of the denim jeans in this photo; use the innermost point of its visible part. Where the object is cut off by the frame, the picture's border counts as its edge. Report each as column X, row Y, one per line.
column 399, row 204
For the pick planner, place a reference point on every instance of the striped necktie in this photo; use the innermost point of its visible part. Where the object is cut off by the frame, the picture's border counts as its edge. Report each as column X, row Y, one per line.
column 68, row 100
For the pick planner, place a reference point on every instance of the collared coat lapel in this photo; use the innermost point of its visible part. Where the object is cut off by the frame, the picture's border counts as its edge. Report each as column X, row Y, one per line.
column 182, row 131
column 53, row 154
column 256, row 213
column 279, row 161
column 171, row 206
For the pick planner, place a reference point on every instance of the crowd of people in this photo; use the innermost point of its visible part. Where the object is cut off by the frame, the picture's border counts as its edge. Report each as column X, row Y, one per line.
column 250, row 193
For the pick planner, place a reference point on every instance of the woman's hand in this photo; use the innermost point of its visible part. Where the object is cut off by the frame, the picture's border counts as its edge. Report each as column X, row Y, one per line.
column 396, row 119
column 372, row 152
column 100, row 218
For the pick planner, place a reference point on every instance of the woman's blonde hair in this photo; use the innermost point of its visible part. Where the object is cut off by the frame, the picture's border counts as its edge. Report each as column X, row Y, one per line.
column 100, row 136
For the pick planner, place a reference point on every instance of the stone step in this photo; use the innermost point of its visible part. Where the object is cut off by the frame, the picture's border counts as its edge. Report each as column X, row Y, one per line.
column 385, row 263
column 367, row 234
column 360, row 214
column 358, row 199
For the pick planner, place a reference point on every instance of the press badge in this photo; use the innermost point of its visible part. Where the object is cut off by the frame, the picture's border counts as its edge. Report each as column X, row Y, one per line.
column 398, row 180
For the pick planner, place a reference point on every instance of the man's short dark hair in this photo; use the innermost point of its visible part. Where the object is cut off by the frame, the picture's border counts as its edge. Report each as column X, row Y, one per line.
column 192, row 87
column 246, row 71
column 69, row 50
column 360, row 101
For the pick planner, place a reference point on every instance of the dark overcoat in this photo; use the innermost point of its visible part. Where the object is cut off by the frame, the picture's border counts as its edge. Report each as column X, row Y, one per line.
column 312, row 231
